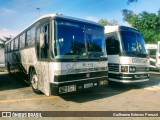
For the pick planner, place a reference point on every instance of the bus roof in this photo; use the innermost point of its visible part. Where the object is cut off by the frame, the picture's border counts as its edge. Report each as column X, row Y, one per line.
column 56, row 15
column 109, row 29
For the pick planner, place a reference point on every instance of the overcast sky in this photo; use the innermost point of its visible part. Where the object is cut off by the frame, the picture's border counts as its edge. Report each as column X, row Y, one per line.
column 15, row 15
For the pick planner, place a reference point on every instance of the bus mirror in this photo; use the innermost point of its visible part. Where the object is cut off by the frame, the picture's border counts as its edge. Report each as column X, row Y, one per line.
column 42, row 40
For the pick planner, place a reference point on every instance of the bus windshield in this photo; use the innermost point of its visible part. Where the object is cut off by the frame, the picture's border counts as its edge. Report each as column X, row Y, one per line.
column 132, row 42
column 78, row 40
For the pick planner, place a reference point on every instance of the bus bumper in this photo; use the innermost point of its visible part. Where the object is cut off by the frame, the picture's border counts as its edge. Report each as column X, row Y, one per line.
column 128, row 78
column 75, row 86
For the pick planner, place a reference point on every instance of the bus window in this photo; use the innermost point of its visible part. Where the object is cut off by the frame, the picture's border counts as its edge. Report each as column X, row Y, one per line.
column 22, row 41
column 30, row 37
column 8, row 47
column 33, row 35
column 42, row 41
column 44, row 48
column 94, row 38
column 16, row 44
column 38, row 41
column 112, row 45
column 11, row 45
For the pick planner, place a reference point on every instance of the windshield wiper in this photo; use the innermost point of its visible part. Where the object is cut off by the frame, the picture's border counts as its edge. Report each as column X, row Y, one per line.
column 78, row 56
column 98, row 55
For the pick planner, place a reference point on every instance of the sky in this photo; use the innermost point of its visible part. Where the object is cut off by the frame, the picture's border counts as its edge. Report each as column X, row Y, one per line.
column 15, row 15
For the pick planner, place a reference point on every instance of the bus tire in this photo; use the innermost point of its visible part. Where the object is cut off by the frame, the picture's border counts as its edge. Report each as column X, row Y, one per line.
column 34, row 82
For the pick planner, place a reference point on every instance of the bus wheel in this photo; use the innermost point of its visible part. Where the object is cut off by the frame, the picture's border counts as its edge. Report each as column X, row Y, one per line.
column 34, row 82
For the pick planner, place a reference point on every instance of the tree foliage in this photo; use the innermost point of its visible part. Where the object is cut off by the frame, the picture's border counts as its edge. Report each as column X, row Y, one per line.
column 106, row 22
column 147, row 23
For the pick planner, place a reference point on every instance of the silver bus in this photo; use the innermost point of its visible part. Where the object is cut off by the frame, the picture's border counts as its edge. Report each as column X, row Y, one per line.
column 58, row 54
column 127, row 58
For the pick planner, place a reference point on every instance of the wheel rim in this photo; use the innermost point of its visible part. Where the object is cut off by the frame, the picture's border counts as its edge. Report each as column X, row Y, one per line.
column 34, row 81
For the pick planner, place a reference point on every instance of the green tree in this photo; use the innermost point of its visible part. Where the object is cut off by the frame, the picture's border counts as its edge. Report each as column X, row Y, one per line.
column 106, row 22
column 147, row 23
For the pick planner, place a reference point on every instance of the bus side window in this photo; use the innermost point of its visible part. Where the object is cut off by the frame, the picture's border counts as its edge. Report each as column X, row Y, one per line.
column 11, row 46
column 5, row 48
column 38, row 42
column 30, row 37
column 16, row 44
column 45, row 46
column 22, row 41
column 112, row 45
column 42, row 41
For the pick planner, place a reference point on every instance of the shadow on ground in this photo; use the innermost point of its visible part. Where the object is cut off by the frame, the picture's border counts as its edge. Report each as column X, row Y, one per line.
column 8, row 82
column 111, row 90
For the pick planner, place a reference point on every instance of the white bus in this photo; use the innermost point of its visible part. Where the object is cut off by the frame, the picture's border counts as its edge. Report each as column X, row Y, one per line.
column 158, row 56
column 127, row 58
column 152, row 51
column 2, row 62
column 59, row 54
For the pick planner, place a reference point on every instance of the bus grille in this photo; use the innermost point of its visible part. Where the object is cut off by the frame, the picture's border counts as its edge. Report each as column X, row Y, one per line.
column 113, row 67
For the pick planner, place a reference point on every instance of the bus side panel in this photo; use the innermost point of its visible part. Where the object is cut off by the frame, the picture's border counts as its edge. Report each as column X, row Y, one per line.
column 42, row 70
column 24, row 61
column 29, row 59
column 2, row 62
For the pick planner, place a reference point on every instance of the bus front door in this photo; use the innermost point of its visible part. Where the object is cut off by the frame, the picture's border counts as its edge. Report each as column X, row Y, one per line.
column 42, row 67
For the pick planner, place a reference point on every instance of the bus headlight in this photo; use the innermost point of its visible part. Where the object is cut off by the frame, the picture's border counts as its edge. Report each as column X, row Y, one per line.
column 132, row 69
column 124, row 68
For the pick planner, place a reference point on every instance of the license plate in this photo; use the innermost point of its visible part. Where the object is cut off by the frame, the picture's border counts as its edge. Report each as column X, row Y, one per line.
column 88, row 85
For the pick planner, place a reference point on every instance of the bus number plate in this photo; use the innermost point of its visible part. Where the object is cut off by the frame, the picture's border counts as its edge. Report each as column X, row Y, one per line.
column 88, row 85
